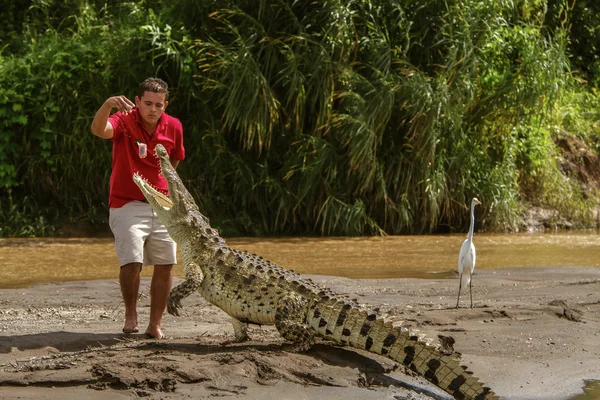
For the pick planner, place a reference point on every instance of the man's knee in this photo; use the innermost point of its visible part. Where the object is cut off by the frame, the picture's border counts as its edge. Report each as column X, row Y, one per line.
column 131, row 268
column 163, row 272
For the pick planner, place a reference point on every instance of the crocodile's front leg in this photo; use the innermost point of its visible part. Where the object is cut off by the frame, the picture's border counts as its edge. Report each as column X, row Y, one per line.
column 240, row 331
column 290, row 321
column 193, row 280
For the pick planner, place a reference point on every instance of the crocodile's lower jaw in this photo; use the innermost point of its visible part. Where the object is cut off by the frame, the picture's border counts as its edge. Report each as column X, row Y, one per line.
column 157, row 196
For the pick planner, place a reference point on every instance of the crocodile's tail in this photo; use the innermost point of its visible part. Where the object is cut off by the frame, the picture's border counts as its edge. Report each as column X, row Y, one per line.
column 346, row 322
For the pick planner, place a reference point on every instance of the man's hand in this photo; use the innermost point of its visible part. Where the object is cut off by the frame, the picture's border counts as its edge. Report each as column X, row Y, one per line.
column 121, row 103
column 100, row 125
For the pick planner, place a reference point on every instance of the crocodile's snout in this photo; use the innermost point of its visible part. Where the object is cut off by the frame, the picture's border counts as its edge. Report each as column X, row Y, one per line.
column 160, row 151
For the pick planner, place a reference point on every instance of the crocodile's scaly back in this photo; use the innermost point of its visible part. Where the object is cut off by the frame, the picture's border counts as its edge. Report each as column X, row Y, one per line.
column 253, row 290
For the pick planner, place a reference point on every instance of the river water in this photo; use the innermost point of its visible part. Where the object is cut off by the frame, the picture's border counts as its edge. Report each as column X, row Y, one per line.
column 24, row 262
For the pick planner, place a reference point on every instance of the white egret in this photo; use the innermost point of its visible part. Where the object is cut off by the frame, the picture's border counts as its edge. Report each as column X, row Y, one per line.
column 466, row 258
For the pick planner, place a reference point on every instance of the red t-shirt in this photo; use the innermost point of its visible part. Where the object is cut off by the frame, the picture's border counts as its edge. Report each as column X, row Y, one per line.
column 128, row 132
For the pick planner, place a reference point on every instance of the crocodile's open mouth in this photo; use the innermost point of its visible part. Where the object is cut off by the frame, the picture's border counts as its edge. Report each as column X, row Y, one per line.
column 151, row 194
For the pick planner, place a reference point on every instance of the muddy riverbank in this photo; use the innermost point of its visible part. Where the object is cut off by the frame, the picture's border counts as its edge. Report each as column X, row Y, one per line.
column 534, row 333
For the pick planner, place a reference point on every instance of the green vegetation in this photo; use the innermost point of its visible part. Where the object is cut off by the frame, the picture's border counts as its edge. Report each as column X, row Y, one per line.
column 300, row 117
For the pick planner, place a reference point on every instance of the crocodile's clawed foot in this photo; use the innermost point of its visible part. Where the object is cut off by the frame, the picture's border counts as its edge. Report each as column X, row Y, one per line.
column 298, row 347
column 234, row 341
column 240, row 334
column 174, row 305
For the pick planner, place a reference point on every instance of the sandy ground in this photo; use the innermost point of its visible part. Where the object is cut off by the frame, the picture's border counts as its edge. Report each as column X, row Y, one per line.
column 534, row 333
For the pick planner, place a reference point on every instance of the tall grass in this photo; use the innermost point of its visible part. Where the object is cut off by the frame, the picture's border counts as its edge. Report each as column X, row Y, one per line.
column 413, row 108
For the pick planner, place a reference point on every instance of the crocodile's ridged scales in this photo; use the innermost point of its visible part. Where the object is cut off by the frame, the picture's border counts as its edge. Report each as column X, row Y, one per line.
column 381, row 337
column 253, row 290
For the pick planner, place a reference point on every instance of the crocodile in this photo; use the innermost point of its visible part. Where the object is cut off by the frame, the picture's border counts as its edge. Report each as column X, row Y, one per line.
column 253, row 290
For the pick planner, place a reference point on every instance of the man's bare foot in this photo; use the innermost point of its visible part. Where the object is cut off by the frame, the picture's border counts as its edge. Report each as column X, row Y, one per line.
column 130, row 326
column 155, row 333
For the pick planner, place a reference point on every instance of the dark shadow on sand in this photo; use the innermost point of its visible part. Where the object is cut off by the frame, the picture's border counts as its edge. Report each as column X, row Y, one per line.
column 62, row 341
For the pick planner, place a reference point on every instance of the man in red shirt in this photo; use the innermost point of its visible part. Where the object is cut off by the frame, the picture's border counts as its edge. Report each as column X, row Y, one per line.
column 135, row 129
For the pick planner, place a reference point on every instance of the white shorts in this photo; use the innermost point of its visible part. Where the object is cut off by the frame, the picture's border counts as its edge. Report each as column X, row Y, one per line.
column 140, row 237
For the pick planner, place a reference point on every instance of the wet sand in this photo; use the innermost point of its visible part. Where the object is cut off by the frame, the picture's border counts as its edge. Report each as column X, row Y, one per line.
column 534, row 333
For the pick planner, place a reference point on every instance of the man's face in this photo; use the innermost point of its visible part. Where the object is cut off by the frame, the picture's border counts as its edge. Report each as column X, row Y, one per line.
column 151, row 106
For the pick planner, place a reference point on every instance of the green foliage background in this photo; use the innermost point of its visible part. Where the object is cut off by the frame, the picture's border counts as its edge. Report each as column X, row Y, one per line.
column 334, row 117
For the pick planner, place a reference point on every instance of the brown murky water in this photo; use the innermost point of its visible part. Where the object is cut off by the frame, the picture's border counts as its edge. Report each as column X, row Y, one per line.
column 24, row 262
column 591, row 391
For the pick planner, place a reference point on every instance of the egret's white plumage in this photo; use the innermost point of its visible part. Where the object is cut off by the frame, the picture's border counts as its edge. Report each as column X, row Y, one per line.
column 467, row 256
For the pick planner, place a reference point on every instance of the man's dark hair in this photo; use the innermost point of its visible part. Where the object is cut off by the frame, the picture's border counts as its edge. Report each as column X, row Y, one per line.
column 156, row 85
